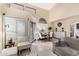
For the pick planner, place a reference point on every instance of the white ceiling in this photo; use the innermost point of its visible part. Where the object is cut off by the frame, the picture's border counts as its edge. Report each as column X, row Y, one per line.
column 46, row 6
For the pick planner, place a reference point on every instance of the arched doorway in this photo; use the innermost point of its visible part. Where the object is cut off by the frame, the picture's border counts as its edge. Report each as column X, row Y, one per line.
column 42, row 20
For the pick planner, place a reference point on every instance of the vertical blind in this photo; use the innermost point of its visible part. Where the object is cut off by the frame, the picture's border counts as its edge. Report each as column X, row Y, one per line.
column 14, row 27
column 21, row 27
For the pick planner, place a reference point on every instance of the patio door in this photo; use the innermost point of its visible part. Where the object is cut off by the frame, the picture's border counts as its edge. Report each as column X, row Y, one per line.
column 10, row 29
column 21, row 33
column 14, row 28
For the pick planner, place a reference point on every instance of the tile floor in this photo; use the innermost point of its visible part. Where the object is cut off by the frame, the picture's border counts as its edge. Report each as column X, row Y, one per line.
column 39, row 48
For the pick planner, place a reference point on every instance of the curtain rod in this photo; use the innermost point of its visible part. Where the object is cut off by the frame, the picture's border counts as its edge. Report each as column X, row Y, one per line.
column 26, row 7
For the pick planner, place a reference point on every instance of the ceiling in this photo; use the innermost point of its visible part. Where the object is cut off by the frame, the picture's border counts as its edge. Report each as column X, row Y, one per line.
column 46, row 6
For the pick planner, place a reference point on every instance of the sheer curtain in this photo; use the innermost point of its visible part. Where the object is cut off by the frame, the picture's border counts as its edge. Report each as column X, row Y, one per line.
column 31, row 30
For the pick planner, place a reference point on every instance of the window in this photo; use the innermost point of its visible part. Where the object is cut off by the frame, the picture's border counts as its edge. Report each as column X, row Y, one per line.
column 20, row 27
column 10, row 28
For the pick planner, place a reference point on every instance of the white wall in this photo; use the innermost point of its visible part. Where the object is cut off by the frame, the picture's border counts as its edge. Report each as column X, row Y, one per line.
column 63, row 10
column 0, row 32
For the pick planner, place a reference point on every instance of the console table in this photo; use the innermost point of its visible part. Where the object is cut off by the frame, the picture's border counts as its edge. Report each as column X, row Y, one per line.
column 59, row 34
column 9, row 45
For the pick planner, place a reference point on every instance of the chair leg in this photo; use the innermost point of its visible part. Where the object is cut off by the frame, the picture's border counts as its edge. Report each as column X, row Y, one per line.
column 18, row 53
column 29, row 49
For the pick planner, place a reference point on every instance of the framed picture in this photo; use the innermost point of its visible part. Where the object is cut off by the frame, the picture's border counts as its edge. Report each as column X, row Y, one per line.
column 59, row 24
